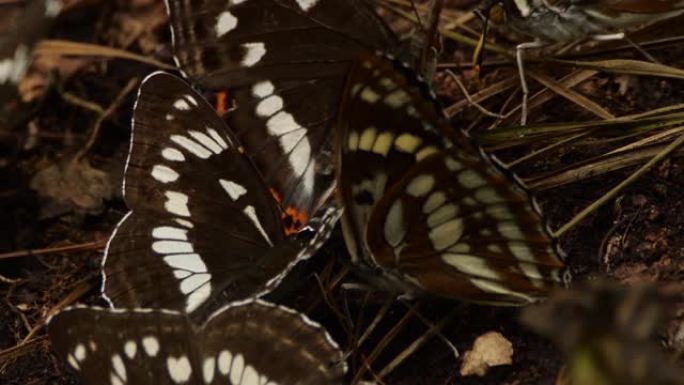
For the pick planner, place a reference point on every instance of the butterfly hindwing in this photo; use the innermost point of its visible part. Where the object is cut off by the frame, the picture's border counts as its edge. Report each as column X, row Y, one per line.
column 461, row 229
column 250, row 343
column 201, row 219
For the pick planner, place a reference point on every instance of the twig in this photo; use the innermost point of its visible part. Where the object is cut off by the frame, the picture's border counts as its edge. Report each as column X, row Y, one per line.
column 51, row 250
column 470, row 100
column 104, row 115
column 406, row 353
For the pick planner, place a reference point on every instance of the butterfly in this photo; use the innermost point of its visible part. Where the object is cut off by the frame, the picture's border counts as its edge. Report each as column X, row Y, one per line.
column 249, row 343
column 425, row 207
column 567, row 21
column 285, row 63
column 202, row 220
column 570, row 20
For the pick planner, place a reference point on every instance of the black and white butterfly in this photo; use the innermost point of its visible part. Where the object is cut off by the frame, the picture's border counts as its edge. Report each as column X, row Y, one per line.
column 425, row 206
column 285, row 63
column 250, row 343
column 202, row 220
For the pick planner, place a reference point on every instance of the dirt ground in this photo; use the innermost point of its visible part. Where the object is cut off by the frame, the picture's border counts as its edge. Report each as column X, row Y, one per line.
column 62, row 153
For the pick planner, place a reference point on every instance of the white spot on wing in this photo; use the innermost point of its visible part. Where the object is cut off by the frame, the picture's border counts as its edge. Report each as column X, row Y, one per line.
column 177, row 203
column 206, row 141
column 420, row 185
column 471, row 265
column 306, row 4
column 208, row 369
column 233, row 189
column 52, row 7
column 251, row 214
column 446, row 234
column 130, row 348
column 170, row 232
column 119, row 367
column 250, row 376
column 237, row 368
column 193, row 282
column 217, row 137
column 181, row 104
column 150, row 345
column 179, row 369
column 191, row 146
column 269, row 106
column 225, row 359
column 12, row 69
column 172, row 247
column 80, row 352
column 72, row 361
column 173, row 155
column 263, row 89
column 164, row 174
column 253, row 53
column 198, row 297
column 394, row 228
column 189, row 262
column 225, row 23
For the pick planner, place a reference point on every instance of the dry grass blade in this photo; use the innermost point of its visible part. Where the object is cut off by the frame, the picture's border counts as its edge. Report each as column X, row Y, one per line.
column 383, row 344
column 570, row 95
column 632, row 67
column 653, row 139
column 482, row 95
column 21, row 348
column 613, row 192
column 516, row 135
column 540, row 98
column 415, row 345
column 593, row 167
column 70, row 48
column 51, row 250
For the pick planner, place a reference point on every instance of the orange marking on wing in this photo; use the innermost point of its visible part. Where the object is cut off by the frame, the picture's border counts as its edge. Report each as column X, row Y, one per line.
column 294, row 219
column 276, row 195
column 221, row 102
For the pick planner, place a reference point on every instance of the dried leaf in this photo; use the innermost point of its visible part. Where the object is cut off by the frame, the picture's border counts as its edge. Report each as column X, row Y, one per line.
column 76, row 186
column 490, row 349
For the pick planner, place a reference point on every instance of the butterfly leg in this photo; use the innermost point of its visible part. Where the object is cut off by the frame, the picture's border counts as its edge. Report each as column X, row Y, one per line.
column 519, row 49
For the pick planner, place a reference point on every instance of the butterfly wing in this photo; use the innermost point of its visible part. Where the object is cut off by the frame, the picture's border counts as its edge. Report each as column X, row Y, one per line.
column 244, row 344
column 202, row 222
column 425, row 206
column 459, row 228
column 285, row 63
column 383, row 130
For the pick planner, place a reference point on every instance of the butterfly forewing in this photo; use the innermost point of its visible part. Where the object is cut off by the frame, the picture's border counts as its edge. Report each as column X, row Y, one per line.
column 286, row 134
column 285, row 62
column 433, row 213
column 201, row 220
column 384, row 127
column 231, row 43
column 243, row 344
